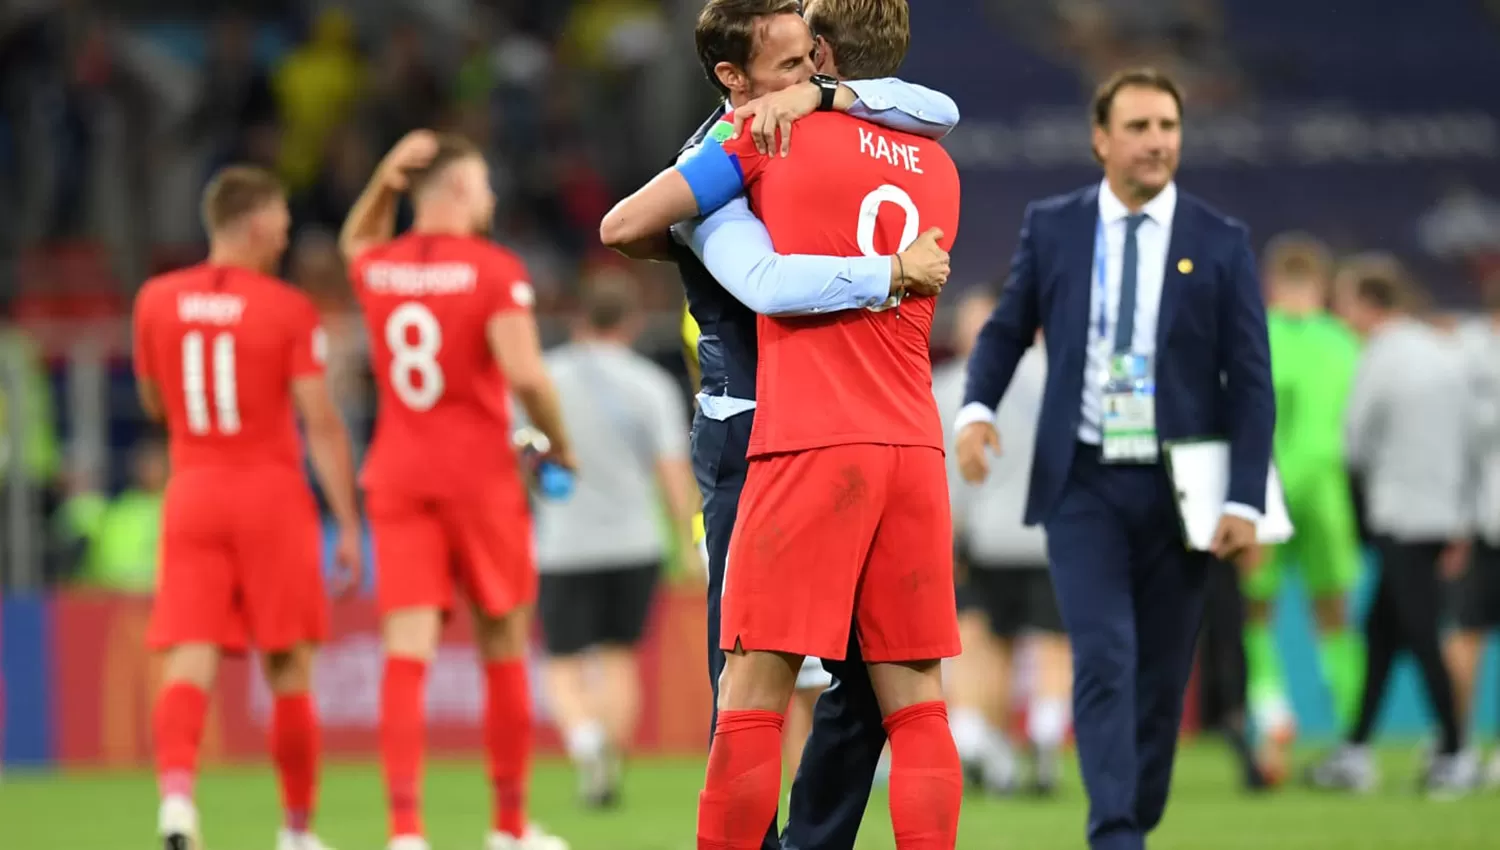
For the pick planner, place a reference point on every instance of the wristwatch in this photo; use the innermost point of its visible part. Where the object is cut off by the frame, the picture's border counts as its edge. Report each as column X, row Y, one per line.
column 829, row 87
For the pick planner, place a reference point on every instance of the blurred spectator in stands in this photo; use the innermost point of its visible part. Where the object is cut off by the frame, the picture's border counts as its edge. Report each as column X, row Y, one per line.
column 316, row 87
column 582, row 192
column 27, row 410
column 614, row 35
column 235, row 117
column 477, row 75
column 613, row 45
column 317, row 268
column 1183, row 37
column 551, row 270
column 120, row 538
column 348, row 160
column 511, row 72
column 404, row 90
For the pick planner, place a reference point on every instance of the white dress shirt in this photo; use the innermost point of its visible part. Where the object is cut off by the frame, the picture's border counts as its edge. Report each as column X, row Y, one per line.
column 1153, row 242
column 1153, row 239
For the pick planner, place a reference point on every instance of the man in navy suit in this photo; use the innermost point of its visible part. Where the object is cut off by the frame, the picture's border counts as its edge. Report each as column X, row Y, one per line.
column 1155, row 331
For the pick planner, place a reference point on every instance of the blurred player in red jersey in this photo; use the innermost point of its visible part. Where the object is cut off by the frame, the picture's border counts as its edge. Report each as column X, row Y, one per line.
column 223, row 354
column 845, row 508
column 451, row 330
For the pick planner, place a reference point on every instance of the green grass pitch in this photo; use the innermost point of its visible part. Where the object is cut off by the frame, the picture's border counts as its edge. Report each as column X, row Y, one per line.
column 105, row 811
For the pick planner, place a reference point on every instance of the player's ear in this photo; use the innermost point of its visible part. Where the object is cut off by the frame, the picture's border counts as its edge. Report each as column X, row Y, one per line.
column 731, row 78
column 824, row 58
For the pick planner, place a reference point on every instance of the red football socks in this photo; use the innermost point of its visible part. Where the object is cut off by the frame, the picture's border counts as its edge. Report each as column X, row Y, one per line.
column 402, row 720
column 177, row 722
column 739, row 795
column 294, row 748
column 926, row 780
column 507, row 741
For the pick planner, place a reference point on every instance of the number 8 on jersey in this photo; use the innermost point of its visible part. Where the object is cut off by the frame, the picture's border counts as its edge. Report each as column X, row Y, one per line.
column 414, row 337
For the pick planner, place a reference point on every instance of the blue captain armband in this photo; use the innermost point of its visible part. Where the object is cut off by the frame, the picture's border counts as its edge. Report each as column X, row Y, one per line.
column 713, row 174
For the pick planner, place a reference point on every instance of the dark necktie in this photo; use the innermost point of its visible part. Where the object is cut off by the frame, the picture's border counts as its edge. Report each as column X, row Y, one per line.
column 1125, row 321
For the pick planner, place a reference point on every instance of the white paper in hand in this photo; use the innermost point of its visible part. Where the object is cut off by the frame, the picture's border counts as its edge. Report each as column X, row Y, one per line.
column 1200, row 476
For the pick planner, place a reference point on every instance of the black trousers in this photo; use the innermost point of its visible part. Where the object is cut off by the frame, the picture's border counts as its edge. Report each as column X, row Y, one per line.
column 1222, row 672
column 1405, row 615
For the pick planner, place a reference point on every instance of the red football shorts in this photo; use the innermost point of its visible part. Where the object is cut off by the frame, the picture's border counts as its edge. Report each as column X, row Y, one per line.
column 859, row 532
column 241, row 561
column 479, row 543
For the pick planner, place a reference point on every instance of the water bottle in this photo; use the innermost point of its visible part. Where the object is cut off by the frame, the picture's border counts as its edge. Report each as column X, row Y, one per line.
column 545, row 477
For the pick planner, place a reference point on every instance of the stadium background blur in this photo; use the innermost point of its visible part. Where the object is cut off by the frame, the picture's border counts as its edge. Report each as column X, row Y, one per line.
column 1373, row 124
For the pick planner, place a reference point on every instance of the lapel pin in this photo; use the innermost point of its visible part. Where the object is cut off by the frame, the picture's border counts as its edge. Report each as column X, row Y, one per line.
column 1185, row 266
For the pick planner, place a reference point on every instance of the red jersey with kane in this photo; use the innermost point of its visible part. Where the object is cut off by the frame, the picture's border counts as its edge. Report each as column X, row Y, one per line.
column 849, row 189
column 845, row 509
column 241, row 542
column 445, row 496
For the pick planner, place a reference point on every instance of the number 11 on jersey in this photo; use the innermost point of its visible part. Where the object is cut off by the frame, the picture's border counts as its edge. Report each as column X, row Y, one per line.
column 195, row 383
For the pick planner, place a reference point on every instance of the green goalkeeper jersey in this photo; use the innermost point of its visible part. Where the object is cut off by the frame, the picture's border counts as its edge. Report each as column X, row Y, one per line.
column 1313, row 360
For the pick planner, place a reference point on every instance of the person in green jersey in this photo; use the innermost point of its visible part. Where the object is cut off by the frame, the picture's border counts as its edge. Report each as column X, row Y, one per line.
column 1313, row 360
column 121, row 537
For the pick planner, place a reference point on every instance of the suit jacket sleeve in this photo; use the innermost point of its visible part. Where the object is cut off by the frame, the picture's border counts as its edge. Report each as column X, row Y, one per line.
column 1011, row 329
column 1245, row 357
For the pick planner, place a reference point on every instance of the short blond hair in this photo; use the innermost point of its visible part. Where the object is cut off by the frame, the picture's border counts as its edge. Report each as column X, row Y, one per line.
column 451, row 148
column 1300, row 256
column 235, row 191
column 869, row 37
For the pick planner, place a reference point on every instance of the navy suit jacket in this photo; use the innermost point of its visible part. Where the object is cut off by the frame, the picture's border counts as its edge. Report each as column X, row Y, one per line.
column 1213, row 358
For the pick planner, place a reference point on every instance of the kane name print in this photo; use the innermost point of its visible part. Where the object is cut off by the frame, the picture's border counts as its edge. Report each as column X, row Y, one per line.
column 899, row 154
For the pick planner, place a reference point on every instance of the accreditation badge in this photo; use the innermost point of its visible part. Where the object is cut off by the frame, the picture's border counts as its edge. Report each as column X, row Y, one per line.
column 1128, row 426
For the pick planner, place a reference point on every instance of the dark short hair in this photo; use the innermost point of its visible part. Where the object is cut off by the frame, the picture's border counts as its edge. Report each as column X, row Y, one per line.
column 1146, row 78
column 608, row 303
column 451, row 148
column 235, row 191
column 1388, row 289
column 869, row 37
column 726, row 32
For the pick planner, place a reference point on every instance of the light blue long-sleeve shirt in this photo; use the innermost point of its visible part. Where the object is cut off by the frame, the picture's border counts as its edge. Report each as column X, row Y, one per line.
column 737, row 250
column 736, row 247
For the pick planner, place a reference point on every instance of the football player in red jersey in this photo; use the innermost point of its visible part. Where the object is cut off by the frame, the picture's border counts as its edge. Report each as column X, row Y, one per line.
column 223, row 354
column 845, row 507
column 451, row 330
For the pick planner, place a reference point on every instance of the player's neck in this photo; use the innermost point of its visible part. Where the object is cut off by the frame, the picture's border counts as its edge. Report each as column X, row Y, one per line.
column 233, row 256
column 1297, row 304
column 431, row 224
column 588, row 337
column 1383, row 321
